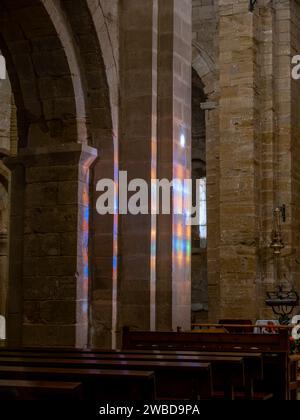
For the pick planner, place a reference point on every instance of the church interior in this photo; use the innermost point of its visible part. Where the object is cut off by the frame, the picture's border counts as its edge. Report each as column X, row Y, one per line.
column 146, row 306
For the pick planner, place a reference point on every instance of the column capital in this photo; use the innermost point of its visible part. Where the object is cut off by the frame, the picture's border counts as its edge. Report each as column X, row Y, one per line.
column 65, row 154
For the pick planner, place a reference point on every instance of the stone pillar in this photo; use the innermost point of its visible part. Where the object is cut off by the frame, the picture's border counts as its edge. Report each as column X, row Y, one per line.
column 55, row 260
column 269, row 60
column 138, row 136
column 173, row 307
column 289, row 22
column 154, row 279
column 3, row 239
column 3, row 273
column 104, row 240
column 14, row 303
column 213, row 208
column 239, row 160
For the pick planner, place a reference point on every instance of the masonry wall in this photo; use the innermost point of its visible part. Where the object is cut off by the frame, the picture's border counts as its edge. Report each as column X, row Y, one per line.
column 5, row 113
column 293, row 267
column 244, row 61
column 139, row 271
column 199, row 250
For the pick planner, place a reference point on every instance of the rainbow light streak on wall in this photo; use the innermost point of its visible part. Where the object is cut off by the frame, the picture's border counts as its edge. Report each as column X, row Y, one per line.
column 85, row 214
column 181, row 232
column 153, row 236
column 181, row 253
column 115, row 245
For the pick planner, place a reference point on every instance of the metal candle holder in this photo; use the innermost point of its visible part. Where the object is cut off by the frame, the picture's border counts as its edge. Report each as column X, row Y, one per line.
column 281, row 301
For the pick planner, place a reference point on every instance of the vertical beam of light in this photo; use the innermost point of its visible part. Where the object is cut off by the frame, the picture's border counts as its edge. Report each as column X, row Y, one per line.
column 84, row 221
column 154, row 153
column 181, row 231
column 153, row 237
column 115, row 246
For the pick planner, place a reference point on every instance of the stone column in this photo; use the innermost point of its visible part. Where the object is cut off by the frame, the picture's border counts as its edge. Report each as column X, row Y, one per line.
column 288, row 21
column 154, row 269
column 3, row 273
column 173, row 307
column 14, row 303
column 239, row 160
column 138, row 137
column 55, row 260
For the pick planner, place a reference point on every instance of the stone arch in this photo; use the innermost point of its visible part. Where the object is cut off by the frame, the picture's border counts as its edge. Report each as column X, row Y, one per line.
column 95, row 73
column 44, row 71
column 104, row 16
column 205, row 67
column 61, row 23
column 61, row 99
column 91, row 24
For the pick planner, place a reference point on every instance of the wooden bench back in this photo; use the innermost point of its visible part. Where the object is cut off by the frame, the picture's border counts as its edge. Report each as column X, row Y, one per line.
column 274, row 347
column 245, row 342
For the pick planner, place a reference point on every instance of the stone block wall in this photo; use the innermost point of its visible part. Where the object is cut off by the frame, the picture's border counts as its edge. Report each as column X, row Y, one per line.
column 252, row 148
column 292, row 269
column 5, row 113
column 136, row 270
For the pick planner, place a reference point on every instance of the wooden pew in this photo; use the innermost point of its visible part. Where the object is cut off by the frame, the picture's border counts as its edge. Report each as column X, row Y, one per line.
column 227, row 372
column 274, row 347
column 230, row 375
column 231, row 324
column 174, row 379
column 39, row 390
column 169, row 340
column 97, row 384
column 293, row 375
column 222, row 373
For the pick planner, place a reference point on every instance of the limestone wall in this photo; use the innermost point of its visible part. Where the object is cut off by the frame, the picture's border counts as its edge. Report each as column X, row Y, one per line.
column 5, row 113
column 244, row 61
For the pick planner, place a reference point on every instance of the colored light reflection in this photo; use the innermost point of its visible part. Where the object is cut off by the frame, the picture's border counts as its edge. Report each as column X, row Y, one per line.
column 153, row 248
column 85, row 240
column 182, row 193
column 114, row 305
column 182, row 140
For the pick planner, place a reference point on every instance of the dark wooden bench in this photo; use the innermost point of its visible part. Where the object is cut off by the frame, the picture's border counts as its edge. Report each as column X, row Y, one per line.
column 11, row 390
column 274, row 348
column 97, row 384
column 222, row 373
column 231, row 324
column 227, row 372
column 174, row 379
column 253, row 361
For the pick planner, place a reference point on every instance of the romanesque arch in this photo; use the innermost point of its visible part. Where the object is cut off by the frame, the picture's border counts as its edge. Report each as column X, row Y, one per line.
column 61, row 90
